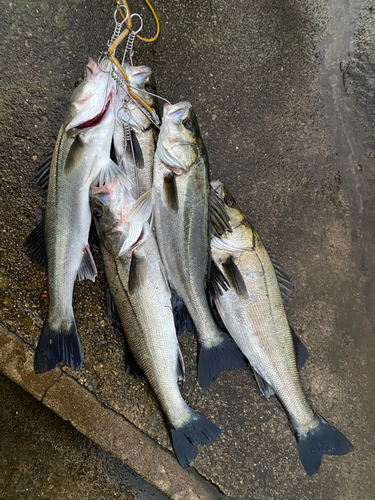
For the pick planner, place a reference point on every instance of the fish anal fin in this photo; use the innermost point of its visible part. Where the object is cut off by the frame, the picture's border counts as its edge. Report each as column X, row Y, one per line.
column 301, row 352
column 264, row 386
column 131, row 366
column 181, row 315
column 170, row 195
column 35, row 246
column 137, row 273
column 180, row 365
column 235, row 277
column 87, row 268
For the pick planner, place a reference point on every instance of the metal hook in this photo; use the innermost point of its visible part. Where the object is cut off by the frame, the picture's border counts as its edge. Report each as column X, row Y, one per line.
column 118, row 9
column 149, row 93
column 140, row 17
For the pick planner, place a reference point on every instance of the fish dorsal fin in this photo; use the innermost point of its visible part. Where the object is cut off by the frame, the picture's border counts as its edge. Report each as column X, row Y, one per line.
column 35, row 246
column 87, row 268
column 180, row 365
column 235, row 277
column 137, row 273
column 42, row 175
column 283, row 278
column 181, row 315
column 217, row 282
column 219, row 218
column 170, row 195
column 137, row 150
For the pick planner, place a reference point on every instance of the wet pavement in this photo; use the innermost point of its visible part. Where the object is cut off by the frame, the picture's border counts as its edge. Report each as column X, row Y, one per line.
column 41, row 456
column 283, row 94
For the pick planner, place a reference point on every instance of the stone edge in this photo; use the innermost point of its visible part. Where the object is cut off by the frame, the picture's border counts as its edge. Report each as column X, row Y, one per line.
column 111, row 431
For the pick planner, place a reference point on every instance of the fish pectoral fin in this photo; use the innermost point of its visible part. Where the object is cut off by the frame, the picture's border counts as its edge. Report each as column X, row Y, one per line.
column 104, row 171
column 227, row 245
column 170, row 195
column 87, row 268
column 181, row 315
column 180, row 365
column 137, row 273
column 217, row 282
column 134, row 235
column 35, row 246
column 219, row 218
column 136, row 150
column 264, row 386
column 235, row 277
column 300, row 350
column 142, row 209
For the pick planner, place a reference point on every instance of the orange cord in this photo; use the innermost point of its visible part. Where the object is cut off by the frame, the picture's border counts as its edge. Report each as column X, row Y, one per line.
column 128, row 22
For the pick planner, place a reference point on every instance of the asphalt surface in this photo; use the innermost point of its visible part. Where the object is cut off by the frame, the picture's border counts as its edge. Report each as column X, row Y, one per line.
column 41, row 456
column 283, row 94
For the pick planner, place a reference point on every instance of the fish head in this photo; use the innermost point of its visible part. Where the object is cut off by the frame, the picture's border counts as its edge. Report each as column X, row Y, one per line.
column 180, row 141
column 90, row 101
column 237, row 217
column 141, row 82
column 119, row 226
column 108, row 205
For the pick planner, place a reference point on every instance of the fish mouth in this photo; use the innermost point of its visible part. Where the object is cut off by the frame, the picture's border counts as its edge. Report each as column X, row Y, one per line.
column 72, row 129
column 97, row 119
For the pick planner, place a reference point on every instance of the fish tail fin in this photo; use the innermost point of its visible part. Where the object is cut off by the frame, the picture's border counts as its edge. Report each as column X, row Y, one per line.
column 185, row 439
column 212, row 361
column 59, row 345
column 322, row 440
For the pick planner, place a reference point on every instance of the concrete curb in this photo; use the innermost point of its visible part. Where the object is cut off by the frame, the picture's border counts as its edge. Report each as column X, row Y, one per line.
column 71, row 401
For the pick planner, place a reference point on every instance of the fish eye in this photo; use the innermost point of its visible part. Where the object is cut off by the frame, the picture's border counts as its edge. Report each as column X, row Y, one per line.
column 189, row 124
column 78, row 82
column 150, row 88
column 97, row 212
column 230, row 201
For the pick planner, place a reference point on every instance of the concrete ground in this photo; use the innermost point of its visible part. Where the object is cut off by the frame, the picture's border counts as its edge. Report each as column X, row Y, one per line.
column 284, row 96
column 41, row 456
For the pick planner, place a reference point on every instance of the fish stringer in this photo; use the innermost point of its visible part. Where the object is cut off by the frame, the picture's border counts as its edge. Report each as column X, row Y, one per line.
column 124, row 116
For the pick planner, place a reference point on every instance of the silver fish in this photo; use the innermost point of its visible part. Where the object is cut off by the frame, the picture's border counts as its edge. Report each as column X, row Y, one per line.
column 142, row 298
column 81, row 158
column 181, row 193
column 253, row 312
column 135, row 135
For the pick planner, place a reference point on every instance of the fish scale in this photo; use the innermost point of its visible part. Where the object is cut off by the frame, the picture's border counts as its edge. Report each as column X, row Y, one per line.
column 140, row 291
column 253, row 312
